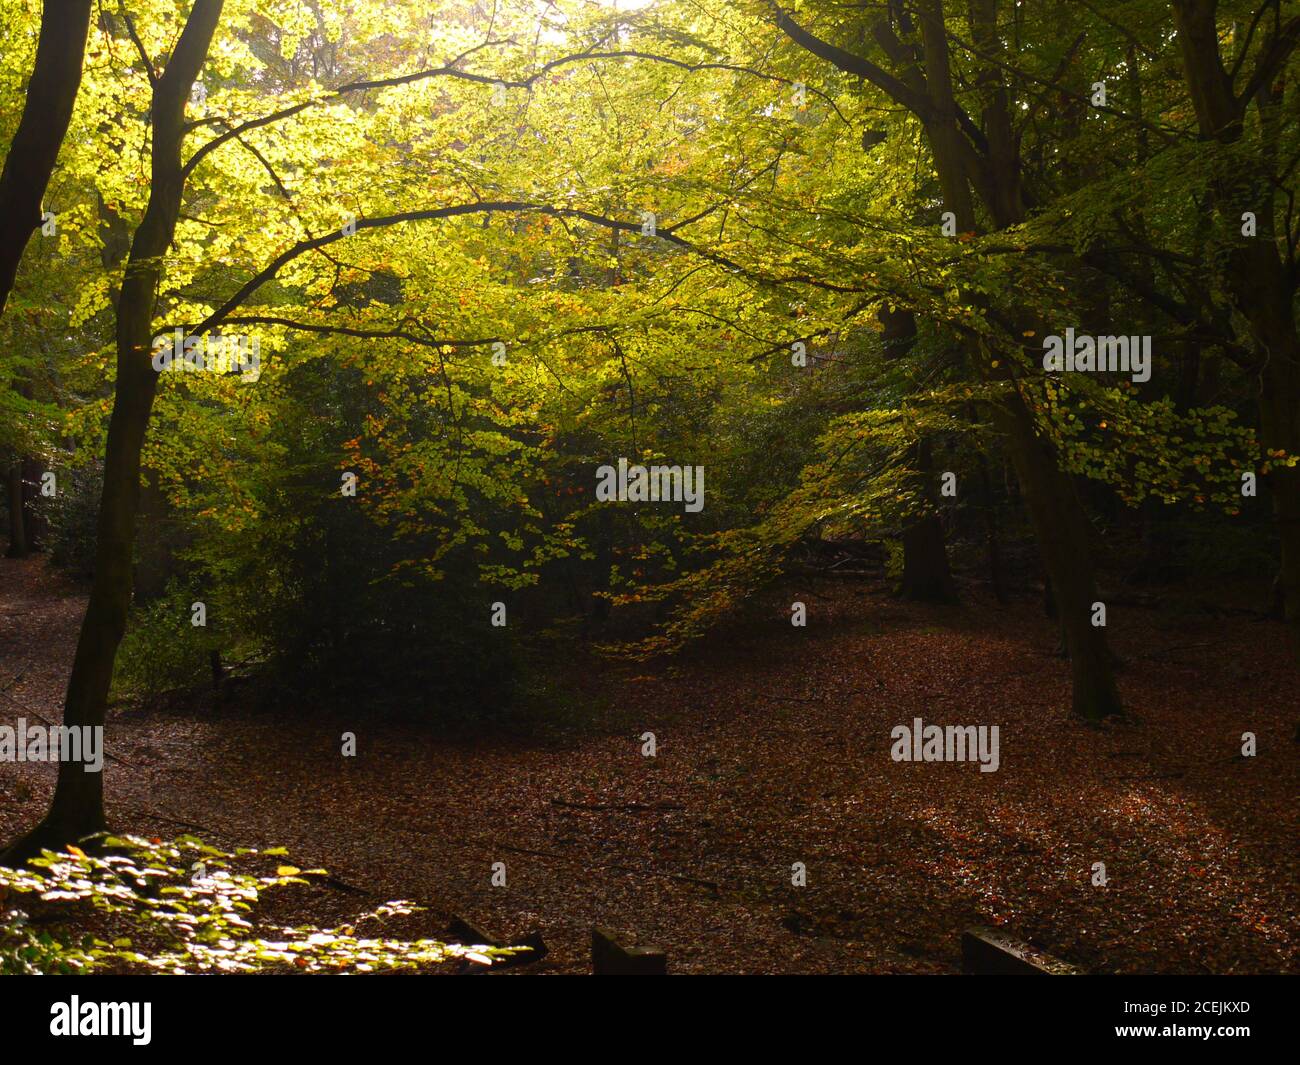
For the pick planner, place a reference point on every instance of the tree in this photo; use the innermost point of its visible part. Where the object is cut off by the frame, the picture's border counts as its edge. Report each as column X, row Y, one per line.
column 982, row 164
column 77, row 809
column 1258, row 270
column 51, row 94
column 597, row 235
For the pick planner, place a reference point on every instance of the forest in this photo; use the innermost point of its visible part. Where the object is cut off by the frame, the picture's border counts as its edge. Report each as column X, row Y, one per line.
column 649, row 486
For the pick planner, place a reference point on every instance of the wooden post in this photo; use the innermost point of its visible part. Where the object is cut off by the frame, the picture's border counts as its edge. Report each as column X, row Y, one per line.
column 608, row 958
column 472, row 936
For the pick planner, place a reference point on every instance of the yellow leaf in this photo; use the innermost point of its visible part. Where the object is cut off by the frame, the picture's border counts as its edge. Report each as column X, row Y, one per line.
column 287, row 870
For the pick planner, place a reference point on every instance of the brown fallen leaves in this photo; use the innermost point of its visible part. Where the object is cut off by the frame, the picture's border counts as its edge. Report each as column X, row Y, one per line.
column 773, row 748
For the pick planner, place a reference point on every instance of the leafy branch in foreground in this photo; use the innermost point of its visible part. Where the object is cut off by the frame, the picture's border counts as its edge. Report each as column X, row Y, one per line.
column 184, row 907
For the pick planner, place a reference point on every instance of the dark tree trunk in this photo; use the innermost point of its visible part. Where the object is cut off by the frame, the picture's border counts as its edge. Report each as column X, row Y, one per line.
column 992, row 169
column 600, row 605
column 18, row 545
column 36, row 523
column 1063, row 539
column 926, row 576
column 51, row 93
column 992, row 541
column 78, row 806
column 1059, row 521
column 1261, row 285
column 155, row 560
column 1159, row 563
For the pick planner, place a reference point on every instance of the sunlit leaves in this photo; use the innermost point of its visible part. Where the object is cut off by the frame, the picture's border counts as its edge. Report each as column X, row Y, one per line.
column 190, row 908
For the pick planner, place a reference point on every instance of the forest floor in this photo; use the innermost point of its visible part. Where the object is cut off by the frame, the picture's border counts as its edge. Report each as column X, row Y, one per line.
column 773, row 747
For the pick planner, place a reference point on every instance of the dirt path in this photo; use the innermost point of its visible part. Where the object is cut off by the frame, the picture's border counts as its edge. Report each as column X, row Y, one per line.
column 773, row 748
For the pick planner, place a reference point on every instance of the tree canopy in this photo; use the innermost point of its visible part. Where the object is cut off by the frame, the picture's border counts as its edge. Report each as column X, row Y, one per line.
column 341, row 306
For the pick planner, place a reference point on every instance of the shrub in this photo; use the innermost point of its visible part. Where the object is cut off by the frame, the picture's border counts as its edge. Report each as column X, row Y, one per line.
column 185, row 907
column 162, row 651
column 71, row 517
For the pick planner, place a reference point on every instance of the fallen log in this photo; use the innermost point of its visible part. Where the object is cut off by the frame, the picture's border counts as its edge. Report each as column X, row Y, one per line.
column 991, row 952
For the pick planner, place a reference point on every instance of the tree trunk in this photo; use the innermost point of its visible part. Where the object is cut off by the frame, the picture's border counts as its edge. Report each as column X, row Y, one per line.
column 1280, row 430
column 1059, row 521
column 35, row 522
column 51, row 94
column 1261, row 285
column 992, row 170
column 78, row 806
column 926, row 576
column 155, row 559
column 1159, row 563
column 992, row 543
column 1061, row 528
column 18, row 546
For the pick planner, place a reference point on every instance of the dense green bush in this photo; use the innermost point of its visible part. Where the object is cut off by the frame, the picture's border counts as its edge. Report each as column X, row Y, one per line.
column 71, row 516
column 163, row 650
column 310, row 585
